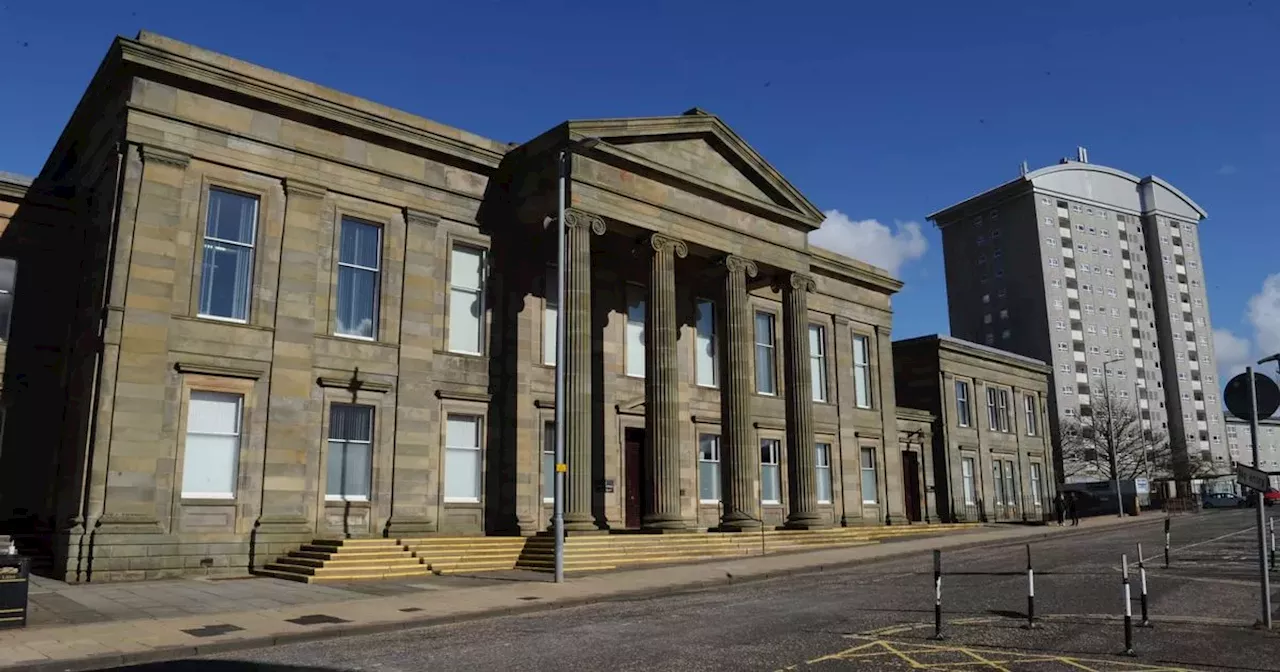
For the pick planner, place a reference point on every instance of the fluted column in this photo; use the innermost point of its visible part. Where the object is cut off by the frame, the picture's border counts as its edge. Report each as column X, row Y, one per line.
column 802, row 491
column 661, row 392
column 739, row 455
column 579, row 227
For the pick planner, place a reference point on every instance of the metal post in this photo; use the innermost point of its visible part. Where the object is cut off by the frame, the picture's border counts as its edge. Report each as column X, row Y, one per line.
column 937, row 594
column 1128, row 607
column 557, row 517
column 1262, row 512
column 1142, row 578
column 1166, row 539
column 1031, row 592
column 1272, row 523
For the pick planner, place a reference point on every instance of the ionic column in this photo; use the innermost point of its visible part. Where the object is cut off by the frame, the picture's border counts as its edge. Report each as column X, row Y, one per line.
column 661, row 392
column 802, row 492
column 739, row 455
column 579, row 227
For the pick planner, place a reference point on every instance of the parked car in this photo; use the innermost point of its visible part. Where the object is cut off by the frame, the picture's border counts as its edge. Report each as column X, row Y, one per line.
column 1270, row 498
column 1222, row 500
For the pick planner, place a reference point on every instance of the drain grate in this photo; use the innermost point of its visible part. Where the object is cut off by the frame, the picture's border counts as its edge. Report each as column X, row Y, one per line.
column 316, row 619
column 213, row 630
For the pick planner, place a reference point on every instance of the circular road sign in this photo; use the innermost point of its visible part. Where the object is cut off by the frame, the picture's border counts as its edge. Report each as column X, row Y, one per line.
column 1236, row 396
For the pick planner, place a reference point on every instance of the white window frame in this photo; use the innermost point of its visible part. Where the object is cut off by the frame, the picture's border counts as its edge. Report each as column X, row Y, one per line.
column 822, row 467
column 376, row 308
column 865, row 471
column 329, row 441
column 768, row 375
column 771, row 461
column 862, row 371
column 710, row 464
column 967, row 484
column 457, row 291
column 706, row 356
column 817, row 334
column 478, row 449
column 548, row 462
column 251, row 246
column 237, row 436
column 1030, row 415
column 637, row 304
column 964, row 409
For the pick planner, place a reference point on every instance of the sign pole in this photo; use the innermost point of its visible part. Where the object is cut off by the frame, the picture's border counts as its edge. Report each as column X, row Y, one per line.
column 1262, row 511
column 937, row 594
column 1128, row 607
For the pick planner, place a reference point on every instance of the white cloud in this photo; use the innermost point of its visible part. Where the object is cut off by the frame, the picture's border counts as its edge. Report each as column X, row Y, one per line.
column 1233, row 353
column 1264, row 314
column 871, row 241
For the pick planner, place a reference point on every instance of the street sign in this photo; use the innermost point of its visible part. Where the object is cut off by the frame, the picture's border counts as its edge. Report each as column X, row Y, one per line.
column 1142, row 486
column 1236, row 396
column 1252, row 478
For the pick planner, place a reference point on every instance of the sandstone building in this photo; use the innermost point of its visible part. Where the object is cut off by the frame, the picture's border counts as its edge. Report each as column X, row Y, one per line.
column 250, row 311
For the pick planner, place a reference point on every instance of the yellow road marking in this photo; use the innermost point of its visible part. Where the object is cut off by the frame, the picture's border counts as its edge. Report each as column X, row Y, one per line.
column 983, row 658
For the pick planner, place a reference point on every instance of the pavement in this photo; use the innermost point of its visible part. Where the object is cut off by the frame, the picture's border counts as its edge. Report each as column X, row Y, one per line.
column 98, row 626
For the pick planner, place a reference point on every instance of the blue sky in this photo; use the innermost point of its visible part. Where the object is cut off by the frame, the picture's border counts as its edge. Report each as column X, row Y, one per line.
column 882, row 111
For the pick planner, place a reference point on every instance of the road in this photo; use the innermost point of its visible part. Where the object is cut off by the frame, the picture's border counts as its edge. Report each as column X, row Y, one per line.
column 870, row 617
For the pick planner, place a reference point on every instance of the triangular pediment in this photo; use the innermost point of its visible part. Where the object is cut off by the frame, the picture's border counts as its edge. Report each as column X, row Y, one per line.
column 700, row 149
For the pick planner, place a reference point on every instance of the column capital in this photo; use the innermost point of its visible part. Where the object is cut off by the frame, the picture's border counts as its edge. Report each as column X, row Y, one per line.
column 795, row 281
column 662, row 243
column 415, row 216
column 735, row 264
column 575, row 218
column 294, row 187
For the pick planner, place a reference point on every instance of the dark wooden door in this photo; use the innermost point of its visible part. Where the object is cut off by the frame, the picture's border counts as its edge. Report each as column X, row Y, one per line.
column 634, row 469
column 911, row 483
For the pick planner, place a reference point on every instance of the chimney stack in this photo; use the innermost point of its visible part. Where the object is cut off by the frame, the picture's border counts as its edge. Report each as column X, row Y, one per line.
column 1022, row 169
column 1082, row 155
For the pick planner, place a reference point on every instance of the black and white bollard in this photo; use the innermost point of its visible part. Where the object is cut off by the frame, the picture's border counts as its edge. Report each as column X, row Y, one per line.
column 1142, row 580
column 1031, row 593
column 1128, row 607
column 1271, row 522
column 1166, row 543
column 937, row 594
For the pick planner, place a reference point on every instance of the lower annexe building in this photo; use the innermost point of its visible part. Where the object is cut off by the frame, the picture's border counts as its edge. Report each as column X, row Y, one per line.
column 279, row 312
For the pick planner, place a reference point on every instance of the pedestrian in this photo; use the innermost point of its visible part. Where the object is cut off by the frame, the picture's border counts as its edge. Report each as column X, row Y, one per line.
column 1059, row 509
column 1073, row 508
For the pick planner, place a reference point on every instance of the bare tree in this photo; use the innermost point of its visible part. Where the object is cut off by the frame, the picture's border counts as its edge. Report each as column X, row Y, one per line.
column 1140, row 450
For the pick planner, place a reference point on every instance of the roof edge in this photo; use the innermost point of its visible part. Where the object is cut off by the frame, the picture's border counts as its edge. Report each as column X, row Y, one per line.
column 943, row 342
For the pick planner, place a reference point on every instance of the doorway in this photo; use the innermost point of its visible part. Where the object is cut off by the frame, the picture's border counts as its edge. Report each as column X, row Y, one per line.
column 911, row 483
column 633, row 468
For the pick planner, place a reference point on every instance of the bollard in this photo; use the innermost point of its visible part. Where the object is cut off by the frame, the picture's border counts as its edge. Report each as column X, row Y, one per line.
column 1142, row 578
column 1128, row 607
column 1166, row 543
column 937, row 594
column 1031, row 593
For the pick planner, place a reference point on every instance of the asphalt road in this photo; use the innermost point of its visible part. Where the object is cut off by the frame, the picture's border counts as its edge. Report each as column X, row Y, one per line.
column 873, row 616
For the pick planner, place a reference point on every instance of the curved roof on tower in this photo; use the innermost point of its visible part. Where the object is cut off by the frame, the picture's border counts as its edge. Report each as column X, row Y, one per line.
column 1090, row 182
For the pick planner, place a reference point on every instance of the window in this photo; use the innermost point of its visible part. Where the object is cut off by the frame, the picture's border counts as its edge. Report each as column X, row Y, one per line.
column 350, row 464
column 549, row 462
column 966, row 479
column 861, row 372
column 962, row 403
column 212, row 451
column 1002, row 410
column 1036, row 483
column 709, row 468
column 770, row 483
column 550, row 313
column 822, row 460
column 634, row 345
column 1029, row 413
column 8, row 276
column 358, row 272
column 869, row 495
column 462, row 458
column 1053, row 262
column 818, row 362
column 1062, row 347
column 706, row 359
column 765, row 382
column 226, row 272
column 1010, row 484
column 997, row 470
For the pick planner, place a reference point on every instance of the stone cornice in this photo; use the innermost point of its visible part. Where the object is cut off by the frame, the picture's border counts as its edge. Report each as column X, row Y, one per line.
column 415, row 216
column 915, row 414
column 154, row 154
column 322, row 104
column 458, row 395
column 294, row 187
column 354, row 383
column 12, row 190
column 219, row 370
column 852, row 270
